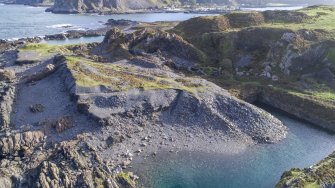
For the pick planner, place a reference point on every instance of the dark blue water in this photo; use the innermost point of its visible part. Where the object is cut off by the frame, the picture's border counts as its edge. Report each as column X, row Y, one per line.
column 18, row 21
column 257, row 167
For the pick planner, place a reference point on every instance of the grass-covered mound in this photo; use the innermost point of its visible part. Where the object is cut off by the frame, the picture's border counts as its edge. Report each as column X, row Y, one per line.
column 205, row 24
column 89, row 73
column 245, row 19
column 120, row 45
column 122, row 78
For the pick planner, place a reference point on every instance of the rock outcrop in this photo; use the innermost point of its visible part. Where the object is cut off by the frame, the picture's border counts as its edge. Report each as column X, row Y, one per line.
column 319, row 175
column 73, row 164
column 80, row 6
column 257, row 47
column 20, row 144
column 122, row 45
column 7, row 93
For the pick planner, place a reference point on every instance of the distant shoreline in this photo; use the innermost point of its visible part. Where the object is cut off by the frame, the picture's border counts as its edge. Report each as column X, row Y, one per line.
column 197, row 10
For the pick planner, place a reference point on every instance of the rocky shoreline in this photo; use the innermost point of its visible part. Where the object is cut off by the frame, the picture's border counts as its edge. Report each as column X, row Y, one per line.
column 92, row 108
column 6, row 44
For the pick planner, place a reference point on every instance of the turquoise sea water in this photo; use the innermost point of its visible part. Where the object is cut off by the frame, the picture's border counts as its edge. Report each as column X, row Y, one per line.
column 258, row 167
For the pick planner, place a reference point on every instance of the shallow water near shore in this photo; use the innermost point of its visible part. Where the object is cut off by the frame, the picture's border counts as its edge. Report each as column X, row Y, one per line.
column 18, row 21
column 259, row 166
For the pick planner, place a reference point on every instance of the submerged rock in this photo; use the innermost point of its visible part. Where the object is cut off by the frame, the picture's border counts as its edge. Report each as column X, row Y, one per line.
column 36, row 108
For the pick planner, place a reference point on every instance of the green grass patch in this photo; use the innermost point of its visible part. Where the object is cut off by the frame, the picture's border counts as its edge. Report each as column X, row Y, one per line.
column 46, row 49
column 325, row 95
column 39, row 51
column 317, row 96
column 123, row 78
column 321, row 17
column 312, row 185
column 125, row 179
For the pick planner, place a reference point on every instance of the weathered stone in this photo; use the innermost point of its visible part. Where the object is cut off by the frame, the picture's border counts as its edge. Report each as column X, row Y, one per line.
column 63, row 124
column 7, row 75
column 36, row 108
column 20, row 143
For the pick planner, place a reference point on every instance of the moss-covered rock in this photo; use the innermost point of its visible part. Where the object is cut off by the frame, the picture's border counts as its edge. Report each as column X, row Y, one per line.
column 245, row 19
column 206, row 24
column 319, row 175
column 285, row 16
column 121, row 45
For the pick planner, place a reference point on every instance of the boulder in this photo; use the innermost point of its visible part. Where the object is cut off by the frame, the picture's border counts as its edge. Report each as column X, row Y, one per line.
column 120, row 23
column 36, row 108
column 7, row 75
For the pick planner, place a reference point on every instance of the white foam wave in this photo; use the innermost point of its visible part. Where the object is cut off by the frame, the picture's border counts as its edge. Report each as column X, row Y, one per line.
column 79, row 29
column 57, row 26
column 13, row 39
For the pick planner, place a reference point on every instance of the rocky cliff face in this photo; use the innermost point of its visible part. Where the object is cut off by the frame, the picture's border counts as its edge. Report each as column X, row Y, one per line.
column 79, row 6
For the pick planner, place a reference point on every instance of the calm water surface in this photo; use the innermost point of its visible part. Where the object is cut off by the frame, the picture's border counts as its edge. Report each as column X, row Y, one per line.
column 258, row 167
